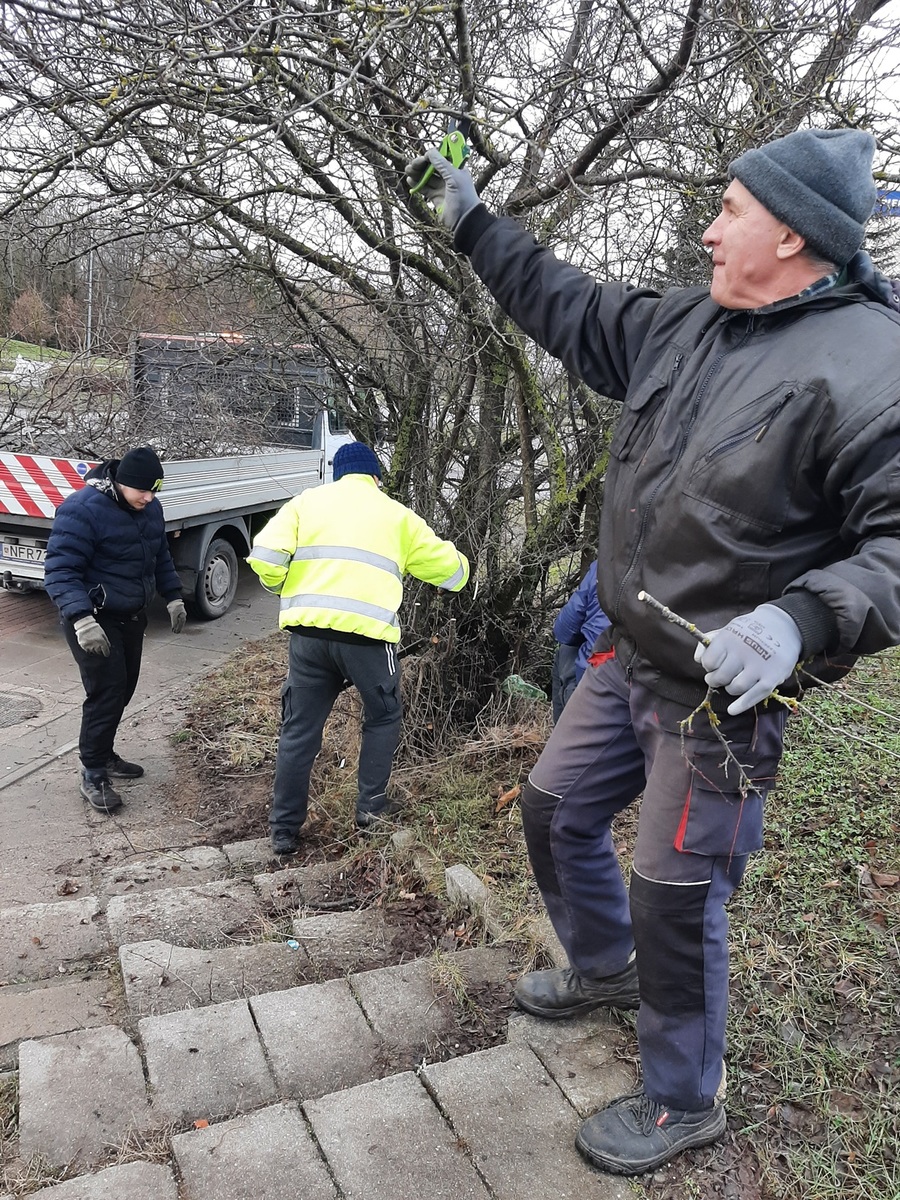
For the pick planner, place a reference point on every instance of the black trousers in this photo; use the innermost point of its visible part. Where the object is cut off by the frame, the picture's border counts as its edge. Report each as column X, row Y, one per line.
column 109, row 684
column 319, row 670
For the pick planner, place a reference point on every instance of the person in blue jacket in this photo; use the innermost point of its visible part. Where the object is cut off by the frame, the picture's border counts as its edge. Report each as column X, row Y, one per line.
column 580, row 622
column 107, row 556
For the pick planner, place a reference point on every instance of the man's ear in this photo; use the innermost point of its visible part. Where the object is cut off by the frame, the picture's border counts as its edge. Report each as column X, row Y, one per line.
column 790, row 244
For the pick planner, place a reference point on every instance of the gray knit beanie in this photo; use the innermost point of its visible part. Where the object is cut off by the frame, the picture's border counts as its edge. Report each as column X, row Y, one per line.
column 819, row 183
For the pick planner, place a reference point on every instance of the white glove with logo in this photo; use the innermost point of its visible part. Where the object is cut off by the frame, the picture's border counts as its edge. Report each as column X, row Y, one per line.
column 751, row 655
column 177, row 615
column 450, row 189
column 91, row 636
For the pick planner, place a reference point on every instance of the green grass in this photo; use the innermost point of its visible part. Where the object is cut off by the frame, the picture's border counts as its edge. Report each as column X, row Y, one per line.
column 11, row 348
column 814, row 1063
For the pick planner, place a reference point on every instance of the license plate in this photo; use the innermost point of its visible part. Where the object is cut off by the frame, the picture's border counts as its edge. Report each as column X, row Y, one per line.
column 20, row 553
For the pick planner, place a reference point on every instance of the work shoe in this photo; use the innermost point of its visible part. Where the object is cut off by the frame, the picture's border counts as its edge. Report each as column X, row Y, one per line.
column 285, row 844
column 366, row 820
column 99, row 792
column 120, row 769
column 636, row 1134
column 562, row 992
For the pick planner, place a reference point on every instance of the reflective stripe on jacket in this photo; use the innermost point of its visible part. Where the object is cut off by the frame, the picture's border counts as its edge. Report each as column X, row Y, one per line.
column 337, row 556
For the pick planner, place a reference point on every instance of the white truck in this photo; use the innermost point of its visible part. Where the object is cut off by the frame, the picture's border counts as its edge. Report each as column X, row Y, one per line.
column 195, row 391
column 213, row 509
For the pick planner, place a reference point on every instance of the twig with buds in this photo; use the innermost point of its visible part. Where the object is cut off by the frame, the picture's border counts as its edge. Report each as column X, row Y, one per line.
column 688, row 626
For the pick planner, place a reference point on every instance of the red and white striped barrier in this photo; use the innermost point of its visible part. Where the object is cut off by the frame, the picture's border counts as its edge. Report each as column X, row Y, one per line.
column 35, row 485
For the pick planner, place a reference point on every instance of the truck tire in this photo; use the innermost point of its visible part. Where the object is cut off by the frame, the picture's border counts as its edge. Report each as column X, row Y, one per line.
column 217, row 581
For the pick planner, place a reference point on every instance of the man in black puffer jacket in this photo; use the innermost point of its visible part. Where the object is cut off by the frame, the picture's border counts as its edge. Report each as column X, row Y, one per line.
column 753, row 487
column 107, row 556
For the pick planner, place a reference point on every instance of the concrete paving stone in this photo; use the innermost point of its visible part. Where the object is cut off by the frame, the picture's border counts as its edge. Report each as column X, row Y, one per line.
column 344, row 941
column 401, row 1005
column 36, row 1010
column 139, row 828
column 205, row 914
column 162, row 978
column 299, row 887
column 205, row 1063
column 518, row 1127
column 411, row 1003
column 387, row 1141
column 268, row 1155
column 317, row 1039
column 464, row 888
column 249, row 854
column 79, row 1093
column 132, row 1181
column 169, row 868
column 583, row 1055
column 37, row 939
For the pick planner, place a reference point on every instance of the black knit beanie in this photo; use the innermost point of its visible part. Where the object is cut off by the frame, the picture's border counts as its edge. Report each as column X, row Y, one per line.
column 140, row 469
column 819, row 183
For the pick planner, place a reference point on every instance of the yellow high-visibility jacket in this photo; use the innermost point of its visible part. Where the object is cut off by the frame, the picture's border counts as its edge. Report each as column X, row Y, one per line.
column 337, row 555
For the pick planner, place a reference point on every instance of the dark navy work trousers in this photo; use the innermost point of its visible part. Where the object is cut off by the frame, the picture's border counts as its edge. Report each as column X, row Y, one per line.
column 697, row 826
column 319, row 669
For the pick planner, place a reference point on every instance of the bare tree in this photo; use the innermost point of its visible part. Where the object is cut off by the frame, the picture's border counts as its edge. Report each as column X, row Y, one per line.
column 272, row 137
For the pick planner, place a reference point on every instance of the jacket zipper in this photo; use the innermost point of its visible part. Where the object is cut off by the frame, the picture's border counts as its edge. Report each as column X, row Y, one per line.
column 701, row 392
column 756, row 431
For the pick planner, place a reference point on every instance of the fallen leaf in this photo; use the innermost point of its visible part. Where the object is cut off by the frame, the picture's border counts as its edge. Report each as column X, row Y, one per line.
column 507, row 798
column 885, row 880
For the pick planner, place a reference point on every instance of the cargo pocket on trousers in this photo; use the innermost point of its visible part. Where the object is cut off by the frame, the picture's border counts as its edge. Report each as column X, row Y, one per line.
column 286, row 706
column 389, row 699
column 719, row 820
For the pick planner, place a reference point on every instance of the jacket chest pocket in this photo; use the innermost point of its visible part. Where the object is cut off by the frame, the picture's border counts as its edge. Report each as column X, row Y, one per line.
column 749, row 469
column 642, row 411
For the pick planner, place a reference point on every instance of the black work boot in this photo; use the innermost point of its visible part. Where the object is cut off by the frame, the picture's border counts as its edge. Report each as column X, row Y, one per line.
column 99, row 792
column 562, row 992
column 367, row 819
column 120, row 769
column 284, row 844
column 635, row 1134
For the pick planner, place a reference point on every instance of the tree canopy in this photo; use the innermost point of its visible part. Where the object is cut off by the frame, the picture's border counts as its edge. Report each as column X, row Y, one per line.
column 270, row 138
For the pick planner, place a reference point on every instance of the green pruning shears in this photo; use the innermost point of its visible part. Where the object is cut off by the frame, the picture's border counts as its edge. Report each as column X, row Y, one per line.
column 454, row 148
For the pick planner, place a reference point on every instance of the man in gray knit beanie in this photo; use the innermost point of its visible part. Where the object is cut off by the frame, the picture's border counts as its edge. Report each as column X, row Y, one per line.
column 817, row 181
column 750, row 486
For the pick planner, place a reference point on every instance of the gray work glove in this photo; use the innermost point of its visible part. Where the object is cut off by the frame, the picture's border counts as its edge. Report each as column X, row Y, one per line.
column 751, row 655
column 177, row 615
column 91, row 636
column 450, row 189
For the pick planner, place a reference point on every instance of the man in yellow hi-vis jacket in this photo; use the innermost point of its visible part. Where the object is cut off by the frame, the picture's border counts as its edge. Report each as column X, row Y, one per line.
column 336, row 555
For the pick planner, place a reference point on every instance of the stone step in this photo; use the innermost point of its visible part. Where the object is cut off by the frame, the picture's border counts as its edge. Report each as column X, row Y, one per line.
column 213, row 1062
column 163, row 869
column 495, row 1125
column 162, row 978
column 42, row 941
column 45, row 1008
column 131, row 1181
